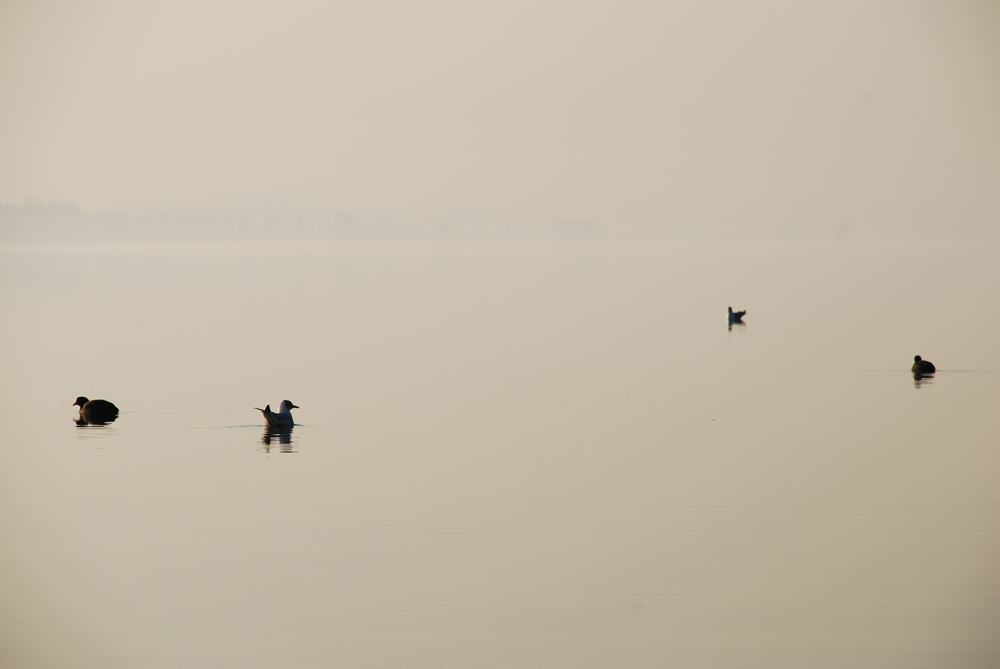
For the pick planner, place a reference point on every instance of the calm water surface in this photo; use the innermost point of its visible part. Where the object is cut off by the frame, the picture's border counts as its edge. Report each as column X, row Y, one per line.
column 508, row 455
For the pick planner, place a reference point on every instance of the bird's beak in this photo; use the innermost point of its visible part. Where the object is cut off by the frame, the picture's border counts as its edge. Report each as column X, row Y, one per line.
column 295, row 406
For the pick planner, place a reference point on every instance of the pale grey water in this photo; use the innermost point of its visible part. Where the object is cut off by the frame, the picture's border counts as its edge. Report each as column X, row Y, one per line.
column 532, row 455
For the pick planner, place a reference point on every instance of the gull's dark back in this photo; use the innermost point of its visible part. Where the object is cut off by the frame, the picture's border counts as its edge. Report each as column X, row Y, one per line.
column 280, row 419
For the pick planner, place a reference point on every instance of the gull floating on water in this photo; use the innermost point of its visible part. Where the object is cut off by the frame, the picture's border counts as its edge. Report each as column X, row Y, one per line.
column 281, row 419
column 96, row 411
column 735, row 316
column 921, row 366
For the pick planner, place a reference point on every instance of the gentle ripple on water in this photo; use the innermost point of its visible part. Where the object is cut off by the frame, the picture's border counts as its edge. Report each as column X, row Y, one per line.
column 545, row 456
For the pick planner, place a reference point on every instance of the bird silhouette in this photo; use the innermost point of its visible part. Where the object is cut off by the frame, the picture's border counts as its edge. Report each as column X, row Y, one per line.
column 96, row 412
column 281, row 419
column 921, row 366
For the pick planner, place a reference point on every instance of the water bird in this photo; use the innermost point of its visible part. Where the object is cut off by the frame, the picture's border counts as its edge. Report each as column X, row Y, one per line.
column 281, row 419
column 921, row 366
column 97, row 412
column 735, row 316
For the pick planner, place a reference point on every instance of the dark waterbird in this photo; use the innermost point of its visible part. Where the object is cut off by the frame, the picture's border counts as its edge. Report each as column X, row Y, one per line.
column 96, row 412
column 281, row 419
column 921, row 366
column 735, row 316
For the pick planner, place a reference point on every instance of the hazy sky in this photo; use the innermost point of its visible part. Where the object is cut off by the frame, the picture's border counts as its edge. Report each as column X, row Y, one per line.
column 650, row 114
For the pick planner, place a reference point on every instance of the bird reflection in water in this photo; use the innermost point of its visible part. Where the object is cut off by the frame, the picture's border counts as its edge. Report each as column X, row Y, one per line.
column 921, row 379
column 88, row 430
column 283, row 434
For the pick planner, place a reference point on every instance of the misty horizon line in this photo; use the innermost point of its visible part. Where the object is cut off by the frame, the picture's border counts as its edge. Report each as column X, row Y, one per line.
column 65, row 221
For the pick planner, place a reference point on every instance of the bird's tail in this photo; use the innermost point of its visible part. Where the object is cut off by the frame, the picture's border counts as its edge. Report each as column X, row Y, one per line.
column 265, row 410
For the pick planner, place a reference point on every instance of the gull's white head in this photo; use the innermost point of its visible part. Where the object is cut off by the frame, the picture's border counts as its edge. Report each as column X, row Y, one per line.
column 287, row 406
